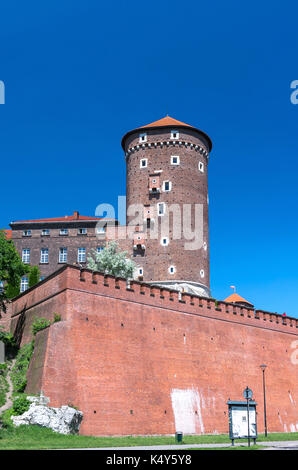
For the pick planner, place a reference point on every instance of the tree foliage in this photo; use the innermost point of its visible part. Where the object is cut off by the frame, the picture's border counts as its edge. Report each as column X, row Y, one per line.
column 34, row 276
column 111, row 261
column 11, row 270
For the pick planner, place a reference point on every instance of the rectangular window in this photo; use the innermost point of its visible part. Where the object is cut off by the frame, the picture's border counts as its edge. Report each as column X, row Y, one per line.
column 167, row 185
column 143, row 163
column 161, row 208
column 175, row 160
column 26, row 256
column 81, row 255
column 24, row 283
column 100, row 229
column 63, row 255
column 174, row 134
column 201, row 167
column 44, row 255
column 27, row 233
column 45, row 232
column 142, row 138
column 63, row 231
column 99, row 249
column 82, row 231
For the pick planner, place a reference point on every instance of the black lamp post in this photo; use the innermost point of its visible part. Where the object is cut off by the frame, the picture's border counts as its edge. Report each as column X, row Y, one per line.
column 263, row 367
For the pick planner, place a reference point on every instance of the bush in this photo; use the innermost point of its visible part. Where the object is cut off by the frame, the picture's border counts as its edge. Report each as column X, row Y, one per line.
column 19, row 371
column 20, row 405
column 57, row 318
column 39, row 324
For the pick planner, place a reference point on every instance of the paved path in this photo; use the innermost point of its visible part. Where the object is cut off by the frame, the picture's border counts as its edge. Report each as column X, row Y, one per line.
column 8, row 403
column 273, row 445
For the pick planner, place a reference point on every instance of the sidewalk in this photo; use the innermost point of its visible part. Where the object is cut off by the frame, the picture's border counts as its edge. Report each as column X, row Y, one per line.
column 273, row 445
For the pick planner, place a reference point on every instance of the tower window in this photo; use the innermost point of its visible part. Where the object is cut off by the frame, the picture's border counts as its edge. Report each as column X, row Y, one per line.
column 82, row 231
column 201, row 167
column 164, row 241
column 142, row 138
column 161, row 208
column 202, row 273
column 174, row 134
column 175, row 160
column 140, row 272
column 172, row 269
column 167, row 186
column 63, row 231
column 143, row 163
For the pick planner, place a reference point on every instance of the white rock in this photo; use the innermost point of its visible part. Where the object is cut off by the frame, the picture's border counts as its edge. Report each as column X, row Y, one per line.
column 64, row 420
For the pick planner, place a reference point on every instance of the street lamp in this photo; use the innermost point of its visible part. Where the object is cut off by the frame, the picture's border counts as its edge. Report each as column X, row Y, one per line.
column 263, row 367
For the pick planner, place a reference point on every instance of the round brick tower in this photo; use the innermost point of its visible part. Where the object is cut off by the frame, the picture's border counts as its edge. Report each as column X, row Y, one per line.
column 167, row 163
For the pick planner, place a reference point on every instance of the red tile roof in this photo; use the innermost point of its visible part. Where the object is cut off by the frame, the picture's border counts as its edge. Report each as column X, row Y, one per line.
column 235, row 298
column 67, row 218
column 8, row 233
column 167, row 121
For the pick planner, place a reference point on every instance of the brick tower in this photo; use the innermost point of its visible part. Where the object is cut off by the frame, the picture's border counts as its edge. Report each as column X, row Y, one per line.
column 167, row 164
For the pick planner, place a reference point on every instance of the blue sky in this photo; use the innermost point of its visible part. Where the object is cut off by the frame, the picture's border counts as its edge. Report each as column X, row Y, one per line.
column 78, row 75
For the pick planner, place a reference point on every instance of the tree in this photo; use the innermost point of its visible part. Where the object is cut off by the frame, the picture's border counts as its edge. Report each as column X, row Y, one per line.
column 111, row 261
column 34, row 276
column 11, row 270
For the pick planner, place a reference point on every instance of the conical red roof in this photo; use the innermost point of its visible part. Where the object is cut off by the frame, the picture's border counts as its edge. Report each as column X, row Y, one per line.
column 166, row 121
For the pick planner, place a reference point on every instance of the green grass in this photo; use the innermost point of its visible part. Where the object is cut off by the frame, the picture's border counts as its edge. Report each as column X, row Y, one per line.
column 35, row 437
column 3, row 387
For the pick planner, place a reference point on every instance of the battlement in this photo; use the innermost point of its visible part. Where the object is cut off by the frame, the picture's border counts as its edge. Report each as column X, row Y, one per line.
column 84, row 280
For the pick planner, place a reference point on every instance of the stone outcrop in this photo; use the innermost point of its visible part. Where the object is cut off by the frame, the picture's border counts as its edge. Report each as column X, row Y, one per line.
column 64, row 420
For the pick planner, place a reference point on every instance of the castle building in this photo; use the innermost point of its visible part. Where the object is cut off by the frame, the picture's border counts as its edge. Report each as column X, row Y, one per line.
column 167, row 185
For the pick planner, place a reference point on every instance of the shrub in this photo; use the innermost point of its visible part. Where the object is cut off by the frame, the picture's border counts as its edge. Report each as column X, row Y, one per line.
column 39, row 324
column 20, row 405
column 57, row 317
column 19, row 371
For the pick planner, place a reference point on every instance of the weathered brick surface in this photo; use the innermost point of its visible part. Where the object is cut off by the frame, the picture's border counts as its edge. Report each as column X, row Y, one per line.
column 119, row 353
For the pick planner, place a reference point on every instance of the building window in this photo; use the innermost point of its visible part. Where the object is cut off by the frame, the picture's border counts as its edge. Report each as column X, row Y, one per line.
column 45, row 232
column 26, row 256
column 63, row 255
column 82, row 231
column 26, row 233
column 143, row 163
column 99, row 249
column 63, row 231
column 202, row 273
column 100, row 230
column 44, row 255
column 167, row 186
column 42, row 278
column 172, row 269
column 142, row 138
column 81, row 255
column 140, row 272
column 201, row 167
column 205, row 246
column 175, row 160
column 174, row 134
column 24, row 283
column 164, row 241
column 161, row 208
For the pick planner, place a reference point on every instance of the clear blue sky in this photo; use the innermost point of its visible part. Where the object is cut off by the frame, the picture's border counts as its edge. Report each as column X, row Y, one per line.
column 78, row 75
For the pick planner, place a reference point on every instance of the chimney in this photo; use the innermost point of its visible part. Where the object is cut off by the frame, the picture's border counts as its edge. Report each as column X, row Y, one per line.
column 76, row 215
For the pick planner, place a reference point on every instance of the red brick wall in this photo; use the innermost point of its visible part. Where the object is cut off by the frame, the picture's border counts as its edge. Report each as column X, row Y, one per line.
column 121, row 355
